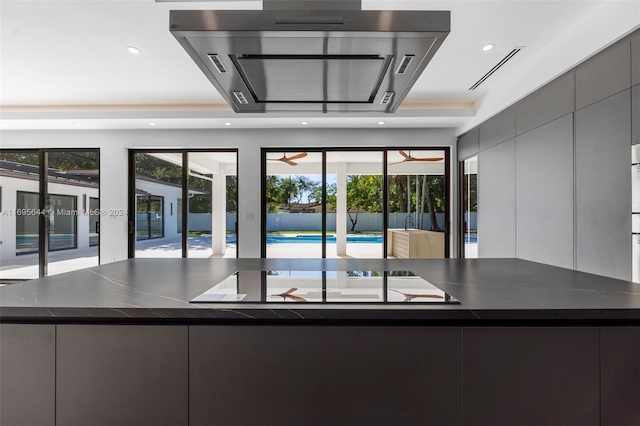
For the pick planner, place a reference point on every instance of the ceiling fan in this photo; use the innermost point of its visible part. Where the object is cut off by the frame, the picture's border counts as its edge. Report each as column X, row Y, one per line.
column 287, row 294
column 409, row 158
column 288, row 160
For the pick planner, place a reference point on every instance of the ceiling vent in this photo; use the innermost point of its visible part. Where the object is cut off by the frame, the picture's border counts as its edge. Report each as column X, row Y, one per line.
column 325, row 56
column 217, row 63
column 496, row 67
column 404, row 64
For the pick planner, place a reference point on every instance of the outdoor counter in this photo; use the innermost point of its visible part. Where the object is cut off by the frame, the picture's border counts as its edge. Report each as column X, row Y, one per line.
column 528, row 344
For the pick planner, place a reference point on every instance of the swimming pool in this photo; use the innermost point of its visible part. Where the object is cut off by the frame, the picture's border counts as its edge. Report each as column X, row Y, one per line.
column 317, row 239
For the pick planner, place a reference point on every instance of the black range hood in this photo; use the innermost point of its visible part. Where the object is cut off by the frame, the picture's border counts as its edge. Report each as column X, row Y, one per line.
column 280, row 59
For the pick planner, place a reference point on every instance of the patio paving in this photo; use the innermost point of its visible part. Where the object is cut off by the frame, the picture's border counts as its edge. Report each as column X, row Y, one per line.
column 25, row 267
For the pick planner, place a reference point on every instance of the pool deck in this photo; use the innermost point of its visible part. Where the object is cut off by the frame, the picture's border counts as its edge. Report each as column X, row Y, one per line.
column 25, row 267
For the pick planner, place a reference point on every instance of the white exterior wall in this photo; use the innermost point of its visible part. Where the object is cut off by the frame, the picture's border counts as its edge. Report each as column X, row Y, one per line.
column 171, row 195
column 10, row 187
column 114, row 145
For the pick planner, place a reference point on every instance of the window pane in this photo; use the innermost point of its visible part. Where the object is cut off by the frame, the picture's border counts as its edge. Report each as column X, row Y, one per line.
column 417, row 203
column 294, row 216
column 74, row 179
column 19, row 220
column 212, row 204
column 27, row 224
column 62, row 228
column 158, row 186
column 354, row 188
column 470, row 207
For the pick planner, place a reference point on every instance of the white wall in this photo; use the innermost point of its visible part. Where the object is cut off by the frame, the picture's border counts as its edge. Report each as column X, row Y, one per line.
column 114, row 145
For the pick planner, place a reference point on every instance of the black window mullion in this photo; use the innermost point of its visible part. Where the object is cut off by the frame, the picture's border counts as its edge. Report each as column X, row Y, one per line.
column 43, row 223
column 185, row 203
column 447, row 204
column 132, row 205
column 324, row 205
column 385, row 206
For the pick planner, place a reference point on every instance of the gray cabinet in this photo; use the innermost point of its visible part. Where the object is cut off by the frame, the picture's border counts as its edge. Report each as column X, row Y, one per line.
column 605, row 74
column 635, row 59
column 498, row 129
column 620, row 369
column 27, row 375
column 531, row 376
column 551, row 102
column 122, row 375
column 288, row 375
column 635, row 115
column 603, row 185
column 544, row 172
column 497, row 201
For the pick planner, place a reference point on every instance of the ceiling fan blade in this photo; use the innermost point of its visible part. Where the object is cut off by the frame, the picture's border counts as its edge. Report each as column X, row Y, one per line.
column 404, row 154
column 297, row 298
column 295, row 157
column 427, row 159
column 289, row 162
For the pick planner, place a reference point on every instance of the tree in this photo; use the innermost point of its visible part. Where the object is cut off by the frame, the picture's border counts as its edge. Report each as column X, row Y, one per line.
column 397, row 194
column 432, row 196
column 289, row 191
column 232, row 193
column 274, row 193
column 364, row 192
column 304, row 186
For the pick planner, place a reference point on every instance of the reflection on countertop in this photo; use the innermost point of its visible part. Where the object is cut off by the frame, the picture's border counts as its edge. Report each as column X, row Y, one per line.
column 372, row 287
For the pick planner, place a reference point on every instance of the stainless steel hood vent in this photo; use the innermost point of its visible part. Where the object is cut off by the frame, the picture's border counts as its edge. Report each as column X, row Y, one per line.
column 311, row 60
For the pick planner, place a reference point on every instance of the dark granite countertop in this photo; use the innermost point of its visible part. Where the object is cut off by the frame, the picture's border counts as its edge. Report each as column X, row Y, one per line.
column 490, row 291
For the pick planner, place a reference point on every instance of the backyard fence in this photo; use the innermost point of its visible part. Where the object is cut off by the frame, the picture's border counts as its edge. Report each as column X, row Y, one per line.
column 313, row 221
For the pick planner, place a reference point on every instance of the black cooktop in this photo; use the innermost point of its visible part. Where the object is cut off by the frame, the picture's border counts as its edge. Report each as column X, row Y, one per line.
column 371, row 287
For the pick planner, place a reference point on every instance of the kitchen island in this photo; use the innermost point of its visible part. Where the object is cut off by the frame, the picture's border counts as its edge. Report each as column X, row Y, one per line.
column 123, row 344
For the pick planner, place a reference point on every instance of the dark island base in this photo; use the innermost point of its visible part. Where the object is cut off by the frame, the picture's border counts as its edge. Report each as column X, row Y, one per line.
column 120, row 344
column 318, row 375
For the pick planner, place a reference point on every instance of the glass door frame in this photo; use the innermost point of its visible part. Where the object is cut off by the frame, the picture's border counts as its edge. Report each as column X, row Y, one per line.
column 385, row 188
column 185, row 194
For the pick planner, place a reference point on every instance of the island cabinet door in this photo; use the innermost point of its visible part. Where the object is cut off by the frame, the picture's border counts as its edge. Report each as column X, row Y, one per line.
column 532, row 376
column 620, row 375
column 27, row 374
column 331, row 375
column 121, row 375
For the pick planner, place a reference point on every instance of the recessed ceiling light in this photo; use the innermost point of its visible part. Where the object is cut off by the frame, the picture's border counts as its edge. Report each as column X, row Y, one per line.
column 227, row 124
column 134, row 50
column 304, row 123
column 152, row 124
column 488, row 47
column 381, row 122
column 77, row 124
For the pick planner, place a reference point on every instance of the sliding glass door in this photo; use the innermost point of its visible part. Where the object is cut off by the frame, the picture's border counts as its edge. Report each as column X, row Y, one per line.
column 351, row 203
column 417, row 203
column 185, row 203
column 50, row 211
column 469, row 207
column 355, row 197
column 294, row 204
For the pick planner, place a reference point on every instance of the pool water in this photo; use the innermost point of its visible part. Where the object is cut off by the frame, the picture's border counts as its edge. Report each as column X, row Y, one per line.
column 317, row 239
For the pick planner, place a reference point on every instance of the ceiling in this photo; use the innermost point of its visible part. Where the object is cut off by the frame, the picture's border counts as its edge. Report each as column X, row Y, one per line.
column 65, row 64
